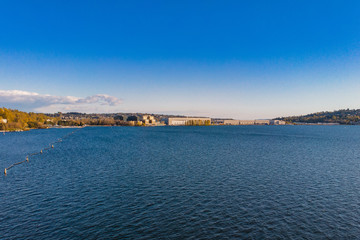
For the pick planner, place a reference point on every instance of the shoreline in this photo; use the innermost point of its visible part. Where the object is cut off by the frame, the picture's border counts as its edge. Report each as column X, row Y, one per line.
column 24, row 130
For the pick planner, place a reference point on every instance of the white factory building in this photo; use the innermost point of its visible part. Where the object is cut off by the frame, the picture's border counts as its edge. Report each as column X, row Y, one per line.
column 248, row 122
column 182, row 121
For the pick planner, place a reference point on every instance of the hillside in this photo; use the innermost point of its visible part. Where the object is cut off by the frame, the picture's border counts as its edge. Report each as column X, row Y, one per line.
column 343, row 116
column 11, row 120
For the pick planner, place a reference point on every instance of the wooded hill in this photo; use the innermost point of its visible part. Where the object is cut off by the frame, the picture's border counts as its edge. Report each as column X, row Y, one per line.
column 343, row 116
column 11, row 120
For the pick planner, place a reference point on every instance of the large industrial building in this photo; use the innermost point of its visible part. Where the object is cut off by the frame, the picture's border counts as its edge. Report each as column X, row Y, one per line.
column 262, row 122
column 277, row 122
column 247, row 122
column 179, row 121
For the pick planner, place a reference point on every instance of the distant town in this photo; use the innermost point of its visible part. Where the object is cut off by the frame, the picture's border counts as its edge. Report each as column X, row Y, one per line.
column 140, row 119
column 15, row 120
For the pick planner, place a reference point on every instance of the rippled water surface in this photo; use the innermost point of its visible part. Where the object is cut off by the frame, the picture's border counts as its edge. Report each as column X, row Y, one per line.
column 225, row 182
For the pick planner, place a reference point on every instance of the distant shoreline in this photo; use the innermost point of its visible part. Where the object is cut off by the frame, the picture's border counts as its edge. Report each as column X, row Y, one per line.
column 65, row 127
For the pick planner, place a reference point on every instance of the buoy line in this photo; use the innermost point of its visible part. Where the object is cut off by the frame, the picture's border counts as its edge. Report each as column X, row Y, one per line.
column 51, row 145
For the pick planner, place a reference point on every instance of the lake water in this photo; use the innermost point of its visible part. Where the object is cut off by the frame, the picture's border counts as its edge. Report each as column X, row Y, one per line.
column 220, row 182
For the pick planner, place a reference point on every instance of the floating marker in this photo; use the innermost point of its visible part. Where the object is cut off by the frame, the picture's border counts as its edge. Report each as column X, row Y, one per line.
column 41, row 151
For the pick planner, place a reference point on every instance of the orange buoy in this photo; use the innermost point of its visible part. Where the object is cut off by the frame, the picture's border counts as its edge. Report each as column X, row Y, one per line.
column 5, row 171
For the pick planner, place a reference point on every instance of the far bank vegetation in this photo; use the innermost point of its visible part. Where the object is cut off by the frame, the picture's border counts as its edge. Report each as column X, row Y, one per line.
column 343, row 116
column 15, row 120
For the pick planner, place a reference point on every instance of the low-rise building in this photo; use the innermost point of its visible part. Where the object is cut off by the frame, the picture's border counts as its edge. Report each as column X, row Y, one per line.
column 132, row 118
column 262, row 122
column 187, row 121
column 149, row 120
column 246, row 122
column 120, row 117
column 277, row 122
column 231, row 122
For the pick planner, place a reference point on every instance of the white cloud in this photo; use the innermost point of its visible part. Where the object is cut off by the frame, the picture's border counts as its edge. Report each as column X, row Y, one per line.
column 34, row 101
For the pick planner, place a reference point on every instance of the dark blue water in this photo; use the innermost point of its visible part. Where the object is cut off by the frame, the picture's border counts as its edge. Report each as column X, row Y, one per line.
column 225, row 182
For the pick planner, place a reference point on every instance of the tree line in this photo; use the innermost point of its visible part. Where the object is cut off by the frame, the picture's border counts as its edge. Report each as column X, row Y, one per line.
column 16, row 120
column 12, row 120
column 342, row 116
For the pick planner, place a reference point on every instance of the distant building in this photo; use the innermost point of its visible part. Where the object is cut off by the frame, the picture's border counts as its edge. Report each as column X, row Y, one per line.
column 218, row 121
column 3, row 120
column 277, row 122
column 262, row 122
column 187, row 121
column 231, row 122
column 132, row 118
column 149, row 120
column 120, row 117
column 246, row 122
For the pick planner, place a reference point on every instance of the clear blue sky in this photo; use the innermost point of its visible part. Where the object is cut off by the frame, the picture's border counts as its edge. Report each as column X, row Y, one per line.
column 240, row 59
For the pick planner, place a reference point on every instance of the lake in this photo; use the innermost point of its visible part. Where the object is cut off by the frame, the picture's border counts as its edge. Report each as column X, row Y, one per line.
column 216, row 182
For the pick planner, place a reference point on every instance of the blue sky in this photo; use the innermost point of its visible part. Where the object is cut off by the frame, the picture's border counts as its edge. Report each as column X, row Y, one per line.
column 239, row 59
